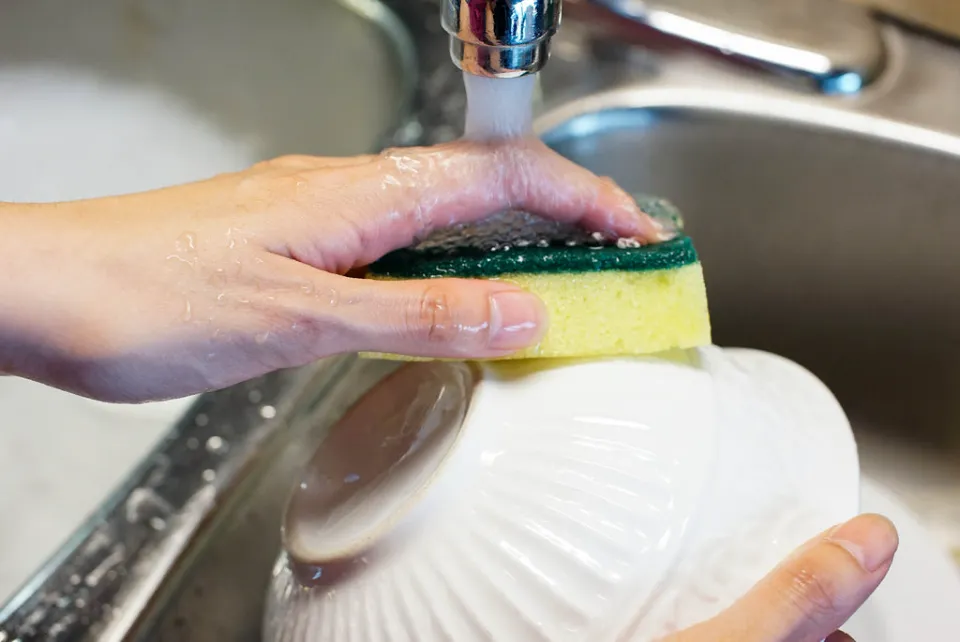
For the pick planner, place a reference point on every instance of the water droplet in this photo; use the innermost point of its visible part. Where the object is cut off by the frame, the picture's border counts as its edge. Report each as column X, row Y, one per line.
column 307, row 288
column 201, row 420
column 209, row 475
column 268, row 412
column 216, row 444
column 334, row 298
column 158, row 523
column 143, row 504
column 261, row 337
column 193, row 443
column 187, row 311
column 352, row 478
column 255, row 396
column 75, row 579
column 187, row 242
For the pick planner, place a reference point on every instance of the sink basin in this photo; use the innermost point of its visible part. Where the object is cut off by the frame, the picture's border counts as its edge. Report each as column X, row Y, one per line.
column 115, row 97
column 826, row 230
column 827, row 235
column 836, row 250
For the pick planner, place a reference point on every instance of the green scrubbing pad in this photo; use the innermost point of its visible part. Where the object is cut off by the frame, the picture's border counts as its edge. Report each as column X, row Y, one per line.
column 604, row 299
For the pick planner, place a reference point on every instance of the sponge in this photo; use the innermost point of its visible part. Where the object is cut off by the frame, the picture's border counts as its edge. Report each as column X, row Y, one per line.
column 604, row 298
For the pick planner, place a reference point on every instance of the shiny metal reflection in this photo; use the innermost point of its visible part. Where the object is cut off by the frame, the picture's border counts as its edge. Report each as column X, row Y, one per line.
column 835, row 46
column 500, row 38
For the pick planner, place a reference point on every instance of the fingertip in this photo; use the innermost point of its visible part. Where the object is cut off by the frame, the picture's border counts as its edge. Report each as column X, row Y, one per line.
column 871, row 539
column 631, row 221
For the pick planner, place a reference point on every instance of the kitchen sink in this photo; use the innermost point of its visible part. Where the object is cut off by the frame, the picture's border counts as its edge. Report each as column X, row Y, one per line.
column 828, row 233
column 835, row 248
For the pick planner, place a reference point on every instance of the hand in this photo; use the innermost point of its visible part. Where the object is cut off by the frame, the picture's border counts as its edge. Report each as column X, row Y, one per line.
column 811, row 594
column 181, row 290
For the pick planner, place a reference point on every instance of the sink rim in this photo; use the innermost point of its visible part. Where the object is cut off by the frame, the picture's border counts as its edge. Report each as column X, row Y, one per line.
column 573, row 118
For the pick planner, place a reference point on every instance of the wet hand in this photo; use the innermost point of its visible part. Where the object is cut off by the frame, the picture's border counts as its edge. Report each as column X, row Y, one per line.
column 811, row 594
column 189, row 288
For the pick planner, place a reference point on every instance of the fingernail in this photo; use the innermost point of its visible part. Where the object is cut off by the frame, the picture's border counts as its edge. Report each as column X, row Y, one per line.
column 666, row 229
column 870, row 539
column 517, row 320
column 665, row 217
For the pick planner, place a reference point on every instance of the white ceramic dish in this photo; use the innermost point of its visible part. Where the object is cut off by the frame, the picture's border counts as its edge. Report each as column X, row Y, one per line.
column 602, row 500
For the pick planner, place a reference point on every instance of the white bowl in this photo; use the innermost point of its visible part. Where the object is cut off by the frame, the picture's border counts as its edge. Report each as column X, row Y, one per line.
column 611, row 500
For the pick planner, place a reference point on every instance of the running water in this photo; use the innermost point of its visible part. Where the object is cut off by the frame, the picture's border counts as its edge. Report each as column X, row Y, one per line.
column 499, row 108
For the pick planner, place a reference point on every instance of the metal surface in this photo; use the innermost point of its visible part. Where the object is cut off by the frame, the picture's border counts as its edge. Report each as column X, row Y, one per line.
column 259, row 71
column 937, row 16
column 500, row 38
column 835, row 45
column 828, row 234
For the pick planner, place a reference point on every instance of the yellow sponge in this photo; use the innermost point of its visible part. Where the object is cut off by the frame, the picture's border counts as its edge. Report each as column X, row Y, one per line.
column 603, row 298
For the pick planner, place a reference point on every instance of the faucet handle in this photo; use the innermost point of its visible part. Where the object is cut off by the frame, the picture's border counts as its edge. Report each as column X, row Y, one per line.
column 836, row 45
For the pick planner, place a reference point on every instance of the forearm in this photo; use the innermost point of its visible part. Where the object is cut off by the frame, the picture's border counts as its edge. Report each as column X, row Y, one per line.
column 33, row 286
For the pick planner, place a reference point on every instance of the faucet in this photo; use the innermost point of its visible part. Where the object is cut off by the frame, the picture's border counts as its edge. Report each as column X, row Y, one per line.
column 834, row 45
column 500, row 38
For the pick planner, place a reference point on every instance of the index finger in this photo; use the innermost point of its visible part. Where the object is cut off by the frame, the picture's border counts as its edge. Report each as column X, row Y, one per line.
column 412, row 191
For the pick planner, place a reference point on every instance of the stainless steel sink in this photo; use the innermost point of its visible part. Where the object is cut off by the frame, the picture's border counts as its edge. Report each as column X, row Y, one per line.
column 285, row 74
column 828, row 233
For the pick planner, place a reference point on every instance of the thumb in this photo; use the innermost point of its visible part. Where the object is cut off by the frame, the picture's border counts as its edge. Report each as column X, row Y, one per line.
column 812, row 593
column 452, row 318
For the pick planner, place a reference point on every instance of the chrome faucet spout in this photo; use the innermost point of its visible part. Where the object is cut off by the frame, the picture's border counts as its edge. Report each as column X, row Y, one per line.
column 500, row 38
